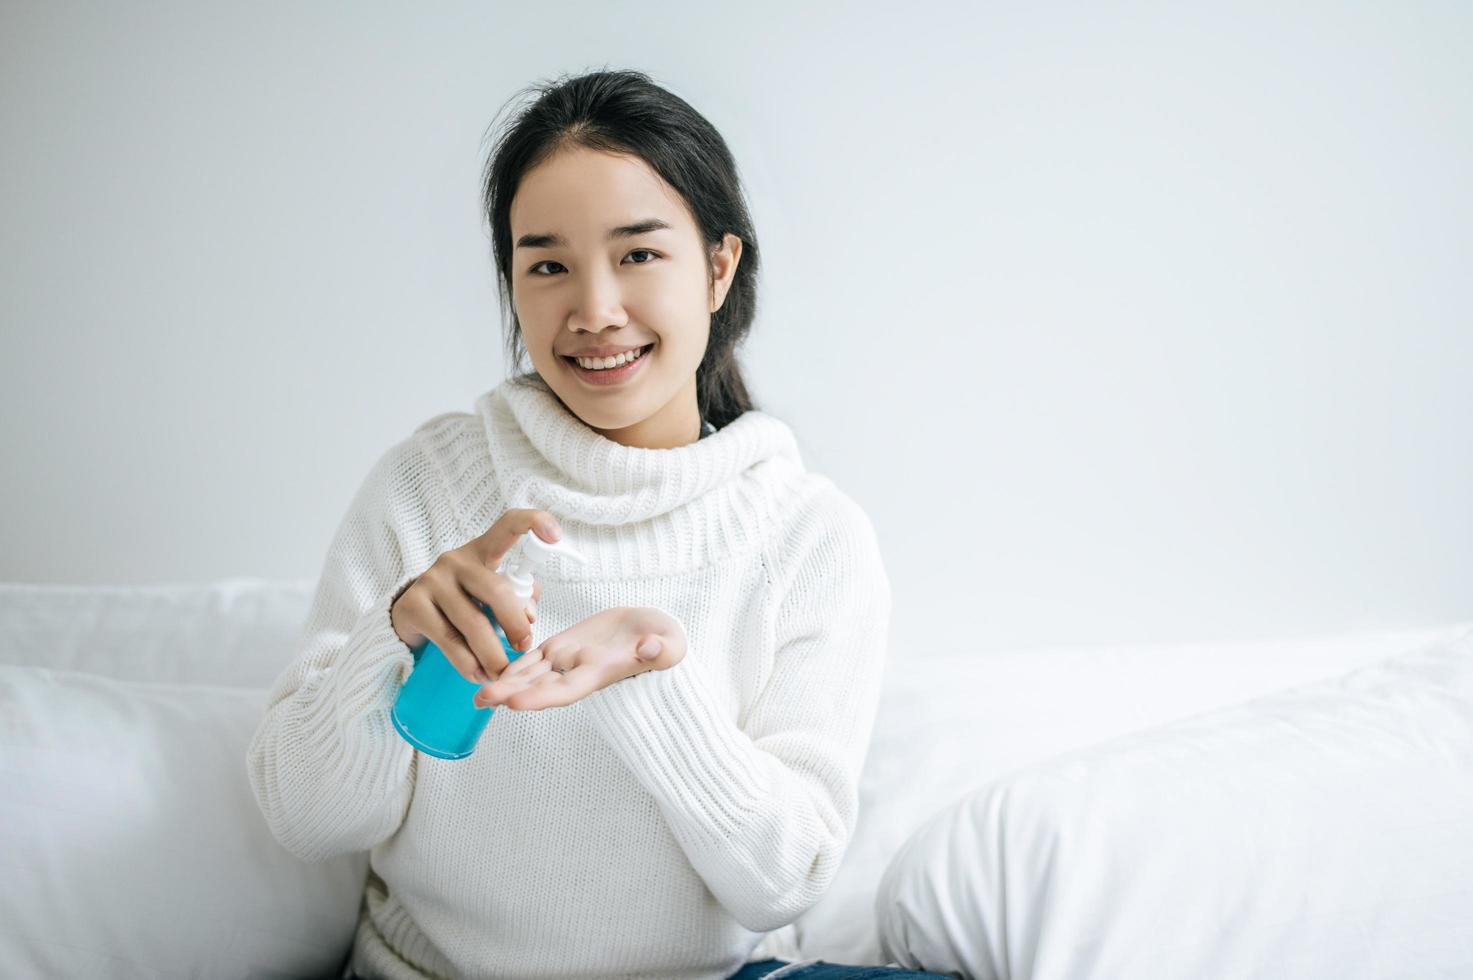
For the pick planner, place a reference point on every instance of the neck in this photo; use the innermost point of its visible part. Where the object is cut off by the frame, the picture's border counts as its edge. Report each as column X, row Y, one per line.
column 677, row 423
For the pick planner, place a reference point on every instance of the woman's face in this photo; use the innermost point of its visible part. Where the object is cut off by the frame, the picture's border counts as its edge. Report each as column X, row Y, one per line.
column 594, row 274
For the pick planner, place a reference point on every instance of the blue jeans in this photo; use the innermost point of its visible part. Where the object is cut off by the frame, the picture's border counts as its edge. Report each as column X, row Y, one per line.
column 822, row 970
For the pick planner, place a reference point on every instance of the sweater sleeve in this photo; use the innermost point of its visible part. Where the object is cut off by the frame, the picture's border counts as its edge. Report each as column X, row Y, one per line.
column 764, row 811
column 329, row 771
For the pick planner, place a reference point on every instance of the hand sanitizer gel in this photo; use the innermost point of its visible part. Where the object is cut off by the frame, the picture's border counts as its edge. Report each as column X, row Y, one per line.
column 434, row 710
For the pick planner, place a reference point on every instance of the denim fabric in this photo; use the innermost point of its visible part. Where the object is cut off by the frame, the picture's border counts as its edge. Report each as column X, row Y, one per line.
column 821, row 970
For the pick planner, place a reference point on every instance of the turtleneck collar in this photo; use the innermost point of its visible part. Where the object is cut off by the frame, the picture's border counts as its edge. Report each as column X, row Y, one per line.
column 546, row 457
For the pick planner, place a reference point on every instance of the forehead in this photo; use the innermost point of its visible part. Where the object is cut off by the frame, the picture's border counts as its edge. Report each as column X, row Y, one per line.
column 581, row 193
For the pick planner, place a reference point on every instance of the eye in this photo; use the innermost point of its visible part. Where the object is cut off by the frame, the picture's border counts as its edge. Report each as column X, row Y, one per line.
column 637, row 251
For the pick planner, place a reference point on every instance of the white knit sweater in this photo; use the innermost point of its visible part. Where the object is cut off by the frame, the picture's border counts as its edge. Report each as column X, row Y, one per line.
column 657, row 828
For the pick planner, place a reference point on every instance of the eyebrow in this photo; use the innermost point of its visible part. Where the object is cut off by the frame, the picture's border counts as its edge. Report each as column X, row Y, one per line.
column 548, row 240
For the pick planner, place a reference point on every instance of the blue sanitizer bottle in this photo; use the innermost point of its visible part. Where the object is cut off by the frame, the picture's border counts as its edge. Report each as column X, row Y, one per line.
column 434, row 710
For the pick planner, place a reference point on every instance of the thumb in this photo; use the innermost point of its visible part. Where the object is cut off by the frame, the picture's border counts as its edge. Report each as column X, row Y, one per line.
column 649, row 648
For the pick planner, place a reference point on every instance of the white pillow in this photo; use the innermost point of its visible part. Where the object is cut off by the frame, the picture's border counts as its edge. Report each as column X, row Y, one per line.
column 990, row 713
column 131, row 844
column 238, row 632
column 1321, row 832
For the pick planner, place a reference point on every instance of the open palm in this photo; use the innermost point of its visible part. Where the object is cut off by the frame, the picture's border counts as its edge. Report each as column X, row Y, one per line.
column 603, row 649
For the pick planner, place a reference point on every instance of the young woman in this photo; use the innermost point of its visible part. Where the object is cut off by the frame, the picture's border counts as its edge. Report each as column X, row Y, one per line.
column 670, row 777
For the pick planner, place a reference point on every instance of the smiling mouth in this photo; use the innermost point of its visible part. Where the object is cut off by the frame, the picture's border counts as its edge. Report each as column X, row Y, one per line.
column 643, row 351
column 609, row 377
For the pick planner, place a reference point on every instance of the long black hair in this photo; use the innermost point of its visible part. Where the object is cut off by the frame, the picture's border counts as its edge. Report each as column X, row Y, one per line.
column 626, row 112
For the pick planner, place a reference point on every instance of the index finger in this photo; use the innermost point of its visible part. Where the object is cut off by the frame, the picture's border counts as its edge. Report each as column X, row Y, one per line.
column 492, row 546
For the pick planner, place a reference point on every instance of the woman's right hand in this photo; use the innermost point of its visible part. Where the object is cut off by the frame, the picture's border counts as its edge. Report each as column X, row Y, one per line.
column 440, row 605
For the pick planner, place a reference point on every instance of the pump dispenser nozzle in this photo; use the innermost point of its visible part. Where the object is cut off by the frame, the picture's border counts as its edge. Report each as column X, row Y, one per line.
column 535, row 551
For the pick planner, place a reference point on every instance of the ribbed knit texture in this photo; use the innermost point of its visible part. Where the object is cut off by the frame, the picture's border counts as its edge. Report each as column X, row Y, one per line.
column 671, row 825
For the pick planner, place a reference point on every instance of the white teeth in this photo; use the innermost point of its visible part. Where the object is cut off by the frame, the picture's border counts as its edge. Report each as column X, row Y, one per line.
column 604, row 363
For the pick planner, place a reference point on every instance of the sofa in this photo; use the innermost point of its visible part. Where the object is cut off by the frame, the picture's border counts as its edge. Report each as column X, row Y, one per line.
column 1298, row 807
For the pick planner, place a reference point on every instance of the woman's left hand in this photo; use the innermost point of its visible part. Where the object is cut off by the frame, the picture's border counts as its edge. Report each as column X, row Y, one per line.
column 604, row 648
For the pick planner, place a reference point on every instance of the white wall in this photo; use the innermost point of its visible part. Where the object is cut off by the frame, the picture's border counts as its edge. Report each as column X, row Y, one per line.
column 1122, row 324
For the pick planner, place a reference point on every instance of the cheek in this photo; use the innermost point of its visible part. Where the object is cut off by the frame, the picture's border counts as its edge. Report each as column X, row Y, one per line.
column 678, row 291
column 535, row 335
column 677, row 312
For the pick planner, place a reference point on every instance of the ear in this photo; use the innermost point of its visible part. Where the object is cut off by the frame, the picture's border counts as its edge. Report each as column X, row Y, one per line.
column 724, row 260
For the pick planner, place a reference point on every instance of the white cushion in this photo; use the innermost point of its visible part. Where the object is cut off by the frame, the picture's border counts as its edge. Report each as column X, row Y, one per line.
column 996, row 711
column 236, row 632
column 131, row 845
column 949, row 723
column 1320, row 832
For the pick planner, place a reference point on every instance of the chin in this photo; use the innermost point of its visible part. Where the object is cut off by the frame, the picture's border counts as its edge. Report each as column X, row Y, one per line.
column 610, row 423
column 601, row 413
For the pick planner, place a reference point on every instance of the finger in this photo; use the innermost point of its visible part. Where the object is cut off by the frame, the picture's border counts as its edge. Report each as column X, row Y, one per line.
column 558, row 690
column 649, row 648
column 554, row 677
column 452, row 644
column 537, row 672
column 496, row 591
column 510, row 685
column 473, row 625
column 564, row 657
column 493, row 546
column 550, row 691
column 498, row 691
column 524, row 663
column 507, row 685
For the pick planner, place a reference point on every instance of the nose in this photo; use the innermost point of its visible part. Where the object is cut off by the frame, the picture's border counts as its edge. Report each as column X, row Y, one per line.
column 599, row 304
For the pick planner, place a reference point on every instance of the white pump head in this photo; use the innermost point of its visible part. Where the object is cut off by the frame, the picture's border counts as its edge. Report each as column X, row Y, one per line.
column 535, row 551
